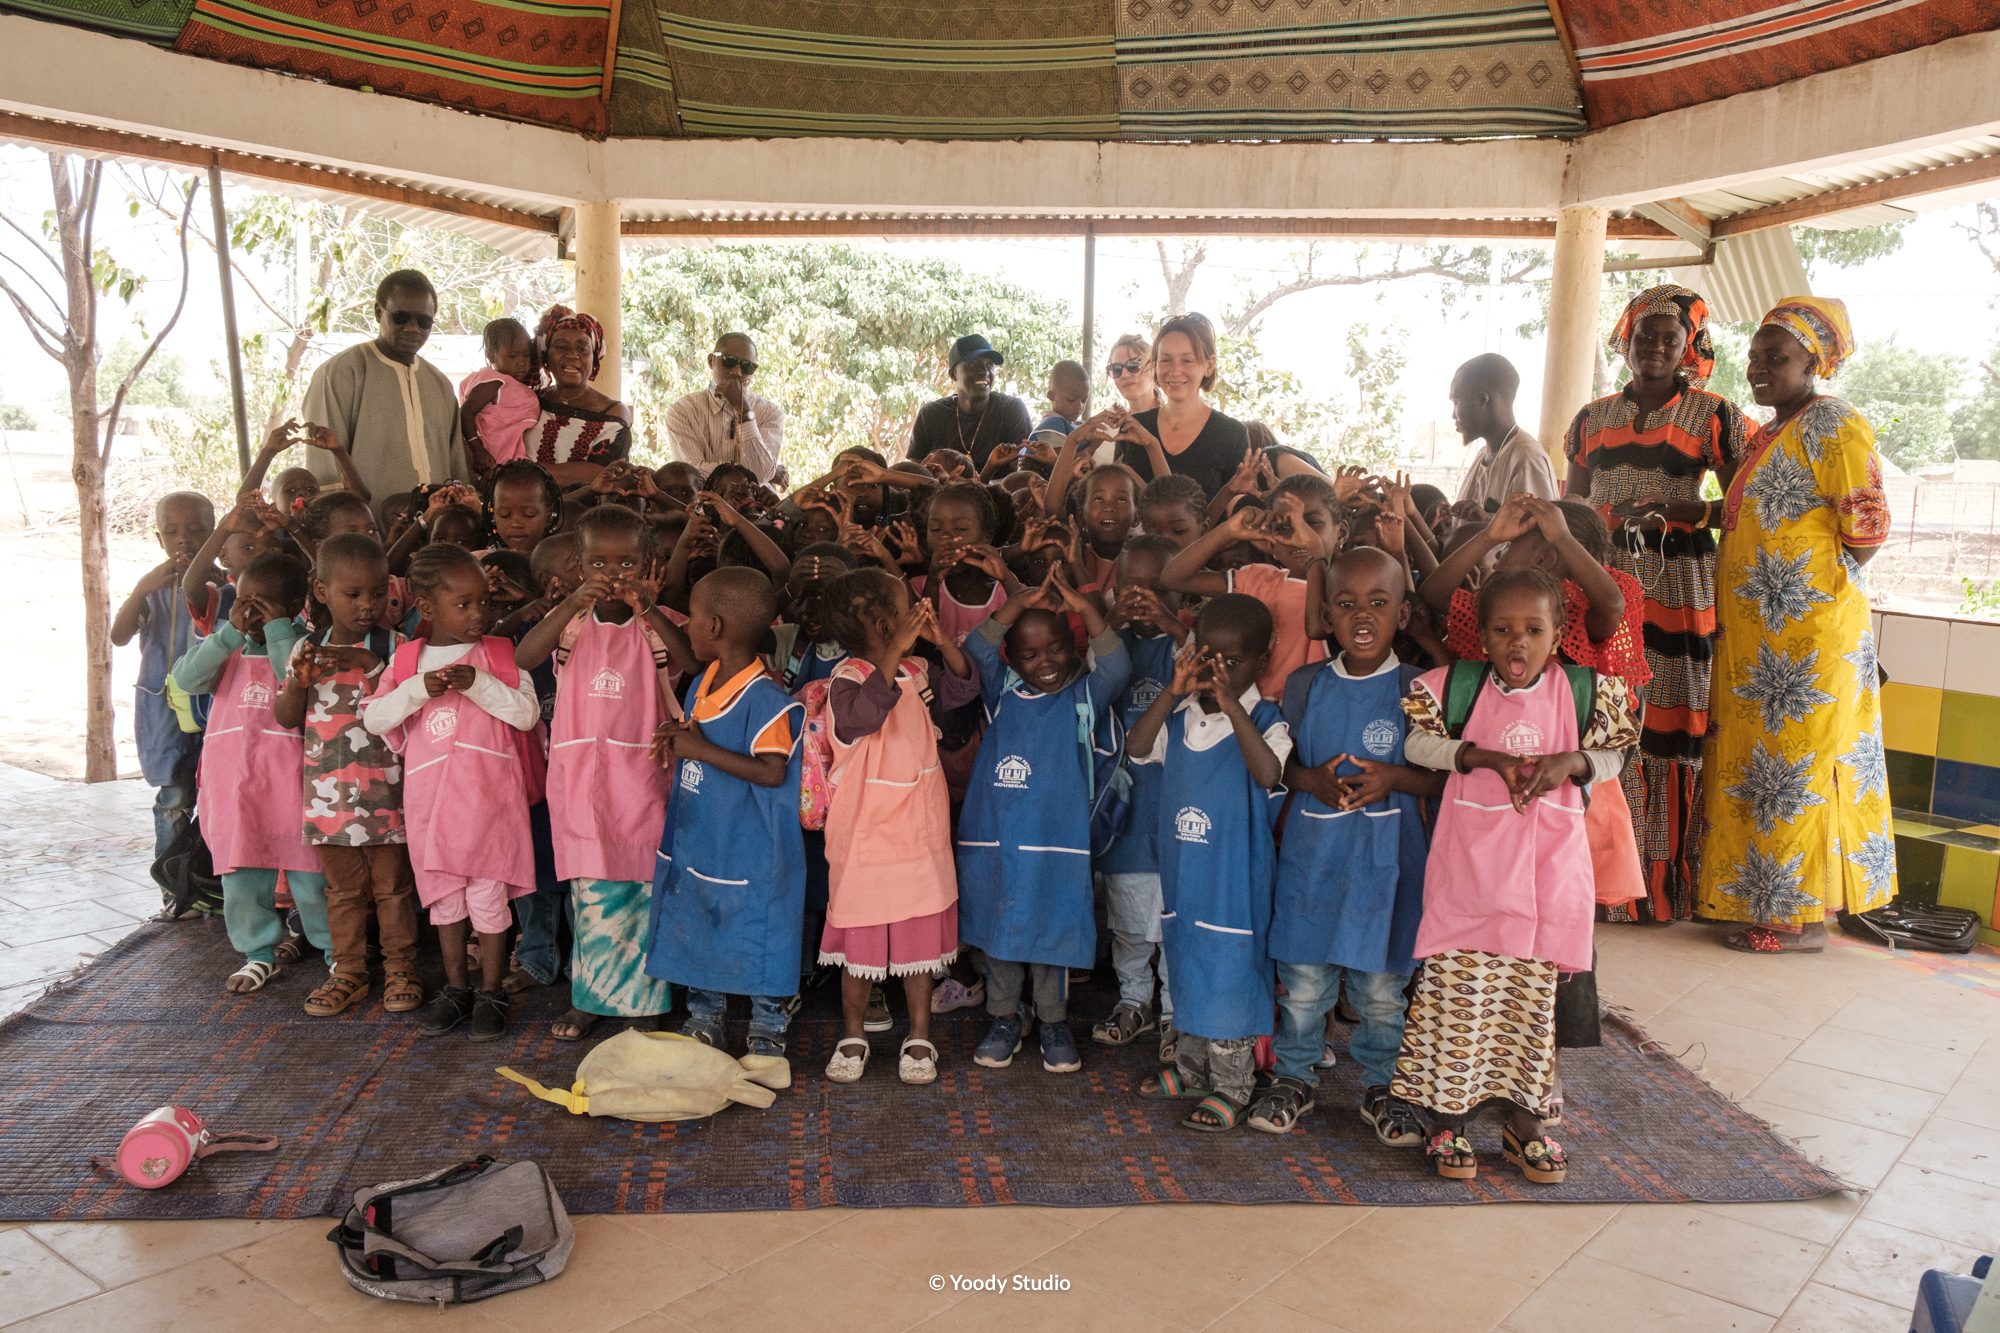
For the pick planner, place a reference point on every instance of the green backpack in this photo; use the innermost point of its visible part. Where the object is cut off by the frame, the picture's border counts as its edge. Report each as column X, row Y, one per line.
column 1465, row 678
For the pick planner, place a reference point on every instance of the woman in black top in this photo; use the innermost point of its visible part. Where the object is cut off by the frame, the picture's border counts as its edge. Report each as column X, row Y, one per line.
column 1184, row 434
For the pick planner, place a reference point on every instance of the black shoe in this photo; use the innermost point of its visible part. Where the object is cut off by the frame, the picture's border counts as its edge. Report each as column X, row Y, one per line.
column 489, row 1016
column 452, row 1006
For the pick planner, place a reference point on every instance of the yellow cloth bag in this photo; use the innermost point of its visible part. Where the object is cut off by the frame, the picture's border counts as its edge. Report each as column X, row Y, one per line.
column 658, row 1076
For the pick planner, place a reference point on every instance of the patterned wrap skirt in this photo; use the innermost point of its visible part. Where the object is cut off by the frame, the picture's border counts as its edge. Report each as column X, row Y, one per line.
column 1481, row 1028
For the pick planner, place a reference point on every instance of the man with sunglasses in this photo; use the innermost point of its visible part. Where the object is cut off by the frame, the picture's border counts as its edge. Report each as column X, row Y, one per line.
column 396, row 413
column 726, row 423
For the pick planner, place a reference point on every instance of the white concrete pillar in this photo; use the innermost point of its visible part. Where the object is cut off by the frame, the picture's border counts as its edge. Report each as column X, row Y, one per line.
column 598, row 285
column 1572, row 340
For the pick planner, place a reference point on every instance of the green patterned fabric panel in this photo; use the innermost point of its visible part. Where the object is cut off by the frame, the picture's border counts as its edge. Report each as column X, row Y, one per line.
column 155, row 21
column 642, row 80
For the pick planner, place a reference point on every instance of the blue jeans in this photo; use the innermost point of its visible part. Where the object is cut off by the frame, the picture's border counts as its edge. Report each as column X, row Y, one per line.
column 249, row 910
column 768, row 1015
column 1310, row 992
column 173, row 806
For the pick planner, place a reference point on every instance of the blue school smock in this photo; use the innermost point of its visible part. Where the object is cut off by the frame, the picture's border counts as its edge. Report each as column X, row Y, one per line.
column 1136, row 852
column 1350, row 884
column 166, row 753
column 729, row 886
column 1024, row 884
column 1216, row 866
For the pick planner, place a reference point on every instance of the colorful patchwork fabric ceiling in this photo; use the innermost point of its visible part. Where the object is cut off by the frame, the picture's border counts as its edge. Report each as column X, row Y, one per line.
column 1075, row 69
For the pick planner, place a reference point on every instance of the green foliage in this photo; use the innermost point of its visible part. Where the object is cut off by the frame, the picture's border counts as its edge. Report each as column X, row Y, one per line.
column 1732, row 347
column 1906, row 396
column 161, row 384
column 15, row 417
column 1982, row 599
column 1975, row 427
column 1847, row 248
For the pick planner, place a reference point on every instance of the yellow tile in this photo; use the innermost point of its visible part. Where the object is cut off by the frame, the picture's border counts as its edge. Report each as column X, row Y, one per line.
column 1910, row 717
column 1969, row 881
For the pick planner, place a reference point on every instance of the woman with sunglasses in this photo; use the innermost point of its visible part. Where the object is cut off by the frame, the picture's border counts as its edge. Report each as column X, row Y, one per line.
column 394, row 413
column 1131, row 373
column 726, row 423
column 581, row 429
column 1183, row 435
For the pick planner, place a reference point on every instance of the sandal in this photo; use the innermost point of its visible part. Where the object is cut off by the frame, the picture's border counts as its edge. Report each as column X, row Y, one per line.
column 401, row 992
column 951, row 993
column 1281, row 1106
column 335, row 994
column 290, row 949
column 521, row 979
column 1169, row 1086
column 1126, row 1023
column 1541, row 1159
column 1213, row 1114
column 574, row 1025
column 1395, row 1121
column 1762, row 939
column 1169, row 1040
column 845, row 1068
column 917, row 1069
column 251, row 976
column 1451, row 1155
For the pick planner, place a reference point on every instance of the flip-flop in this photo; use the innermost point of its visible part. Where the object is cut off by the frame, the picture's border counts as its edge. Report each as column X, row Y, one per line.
column 579, row 1020
column 1224, row 1111
column 1169, row 1086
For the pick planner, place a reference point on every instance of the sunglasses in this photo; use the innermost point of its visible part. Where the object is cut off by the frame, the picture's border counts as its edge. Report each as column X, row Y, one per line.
column 1117, row 368
column 736, row 363
column 401, row 317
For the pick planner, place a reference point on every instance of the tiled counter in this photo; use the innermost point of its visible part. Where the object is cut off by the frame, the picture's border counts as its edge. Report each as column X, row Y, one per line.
column 1941, row 728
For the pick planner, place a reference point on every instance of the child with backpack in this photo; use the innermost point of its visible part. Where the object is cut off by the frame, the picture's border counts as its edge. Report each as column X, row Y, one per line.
column 1508, row 899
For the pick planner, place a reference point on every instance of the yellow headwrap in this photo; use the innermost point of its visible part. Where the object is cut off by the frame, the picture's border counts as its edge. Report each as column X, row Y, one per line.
column 1820, row 324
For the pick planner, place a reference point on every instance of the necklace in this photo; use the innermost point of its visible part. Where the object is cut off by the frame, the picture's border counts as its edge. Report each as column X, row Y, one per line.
column 958, row 420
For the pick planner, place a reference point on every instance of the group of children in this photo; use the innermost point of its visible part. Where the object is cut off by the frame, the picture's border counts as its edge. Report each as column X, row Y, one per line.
column 1284, row 749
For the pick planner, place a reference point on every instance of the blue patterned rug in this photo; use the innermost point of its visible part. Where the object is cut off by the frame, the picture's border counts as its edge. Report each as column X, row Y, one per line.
column 362, row 1099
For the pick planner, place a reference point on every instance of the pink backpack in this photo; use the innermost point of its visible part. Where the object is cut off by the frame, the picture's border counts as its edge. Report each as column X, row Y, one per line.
column 815, row 756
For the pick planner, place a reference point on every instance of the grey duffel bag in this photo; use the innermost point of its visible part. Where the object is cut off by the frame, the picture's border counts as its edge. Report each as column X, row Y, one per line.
column 470, row 1231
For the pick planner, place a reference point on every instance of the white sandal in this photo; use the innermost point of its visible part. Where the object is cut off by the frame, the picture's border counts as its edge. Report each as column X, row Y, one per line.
column 914, row 1068
column 845, row 1068
column 256, row 972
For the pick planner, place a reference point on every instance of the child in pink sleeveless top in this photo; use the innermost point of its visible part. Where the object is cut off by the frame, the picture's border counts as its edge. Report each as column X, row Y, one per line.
column 892, row 908
column 498, row 404
column 1508, row 898
column 458, row 706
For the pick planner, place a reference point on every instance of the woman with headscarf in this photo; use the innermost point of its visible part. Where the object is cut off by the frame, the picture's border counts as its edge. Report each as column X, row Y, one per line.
column 1798, row 795
column 580, row 429
column 1640, row 457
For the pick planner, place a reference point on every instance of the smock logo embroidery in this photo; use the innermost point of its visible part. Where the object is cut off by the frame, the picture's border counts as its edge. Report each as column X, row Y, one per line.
column 255, row 695
column 442, row 723
column 1380, row 736
column 607, row 684
column 1192, row 824
column 1144, row 693
column 1521, row 738
column 1012, row 772
column 690, row 775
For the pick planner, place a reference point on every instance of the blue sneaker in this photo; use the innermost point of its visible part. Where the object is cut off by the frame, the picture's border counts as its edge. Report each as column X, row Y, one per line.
column 996, row 1049
column 1059, row 1053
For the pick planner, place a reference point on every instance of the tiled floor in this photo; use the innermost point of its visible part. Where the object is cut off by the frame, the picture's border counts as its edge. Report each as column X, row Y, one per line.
column 1888, row 1068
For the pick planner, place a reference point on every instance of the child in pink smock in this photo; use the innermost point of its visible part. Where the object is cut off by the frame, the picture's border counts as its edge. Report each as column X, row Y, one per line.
column 1508, row 897
column 892, row 908
column 614, row 650
column 497, row 405
column 252, row 769
column 469, row 727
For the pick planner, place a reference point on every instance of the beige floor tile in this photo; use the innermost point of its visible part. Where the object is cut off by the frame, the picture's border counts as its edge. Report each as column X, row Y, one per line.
column 51, row 923
column 1963, row 1212
column 1918, row 1026
column 1390, row 1270
column 300, row 1263
column 1705, row 1042
column 1703, row 1251
column 1258, row 1315
column 1643, row 985
column 1957, row 1149
column 731, row 1240
column 1820, row 1220
column 1082, row 1309
column 1856, row 1098
column 1821, row 1309
column 1588, row 1296
column 1076, row 1219
column 1974, row 1100
column 210, row 1294
column 614, row 1276
column 1884, row 1263
column 656, row 1322
column 1858, row 1155
column 1821, row 978
column 1886, row 1058
column 1761, row 1011
column 119, row 1252
column 917, row 1242
column 33, row 1278
column 1937, row 999
column 810, row 1285
column 1731, row 1081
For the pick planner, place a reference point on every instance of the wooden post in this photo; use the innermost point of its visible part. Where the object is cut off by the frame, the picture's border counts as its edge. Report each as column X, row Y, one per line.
column 1089, row 298
column 598, row 286
column 1572, row 337
column 229, row 338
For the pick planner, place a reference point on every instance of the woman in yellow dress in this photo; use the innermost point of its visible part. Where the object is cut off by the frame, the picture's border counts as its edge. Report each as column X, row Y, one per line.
column 1798, row 795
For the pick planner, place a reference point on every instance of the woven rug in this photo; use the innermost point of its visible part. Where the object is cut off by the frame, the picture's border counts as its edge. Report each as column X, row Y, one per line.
column 362, row 1099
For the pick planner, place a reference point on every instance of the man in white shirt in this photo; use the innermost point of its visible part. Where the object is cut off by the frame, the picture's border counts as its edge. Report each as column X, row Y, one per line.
column 1513, row 461
column 726, row 423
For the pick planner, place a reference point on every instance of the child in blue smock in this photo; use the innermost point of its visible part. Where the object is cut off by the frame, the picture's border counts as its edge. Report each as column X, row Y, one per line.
column 1221, row 751
column 1351, row 872
column 1129, row 871
column 1024, row 893
column 729, row 892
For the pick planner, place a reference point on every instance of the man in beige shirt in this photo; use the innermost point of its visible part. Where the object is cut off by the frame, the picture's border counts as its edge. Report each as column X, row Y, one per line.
column 1513, row 461
column 726, row 423
column 395, row 413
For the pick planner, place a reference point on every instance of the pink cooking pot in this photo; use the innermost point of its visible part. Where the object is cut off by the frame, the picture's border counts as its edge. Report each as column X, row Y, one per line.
column 159, row 1149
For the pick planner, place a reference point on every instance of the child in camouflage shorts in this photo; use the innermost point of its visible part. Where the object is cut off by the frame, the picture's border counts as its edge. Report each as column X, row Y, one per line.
column 353, row 780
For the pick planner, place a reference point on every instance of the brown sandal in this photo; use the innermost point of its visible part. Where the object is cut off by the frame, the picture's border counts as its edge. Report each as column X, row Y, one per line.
column 1451, row 1156
column 1540, row 1160
column 401, row 992
column 335, row 995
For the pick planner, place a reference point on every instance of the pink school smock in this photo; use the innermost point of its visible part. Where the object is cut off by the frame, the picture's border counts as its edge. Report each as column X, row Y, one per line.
column 888, row 825
column 607, row 798
column 250, row 775
column 1497, row 881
